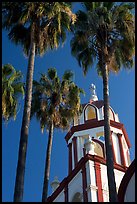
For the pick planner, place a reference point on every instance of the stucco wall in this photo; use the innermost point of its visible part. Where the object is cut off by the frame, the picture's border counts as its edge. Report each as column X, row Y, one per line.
column 118, row 177
column 116, row 147
column 60, row 197
column 130, row 191
column 75, row 186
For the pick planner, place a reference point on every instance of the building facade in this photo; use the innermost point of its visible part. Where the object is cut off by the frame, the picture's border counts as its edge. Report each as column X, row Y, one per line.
column 87, row 172
column 126, row 192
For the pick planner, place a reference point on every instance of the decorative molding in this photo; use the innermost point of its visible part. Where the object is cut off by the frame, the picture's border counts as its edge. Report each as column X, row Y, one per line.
column 121, row 126
column 88, row 125
column 79, row 166
column 91, row 105
column 95, row 124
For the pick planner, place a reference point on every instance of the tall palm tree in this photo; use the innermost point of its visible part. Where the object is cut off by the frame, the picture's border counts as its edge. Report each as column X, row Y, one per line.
column 54, row 103
column 105, row 34
column 38, row 27
column 12, row 89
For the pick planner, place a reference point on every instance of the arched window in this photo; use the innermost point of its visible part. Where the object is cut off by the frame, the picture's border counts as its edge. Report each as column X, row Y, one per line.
column 90, row 113
column 77, row 197
column 99, row 148
column 111, row 114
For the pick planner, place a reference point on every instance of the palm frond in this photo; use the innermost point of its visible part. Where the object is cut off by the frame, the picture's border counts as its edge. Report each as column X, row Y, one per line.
column 52, row 73
column 50, row 21
column 60, row 104
column 104, row 24
column 12, row 89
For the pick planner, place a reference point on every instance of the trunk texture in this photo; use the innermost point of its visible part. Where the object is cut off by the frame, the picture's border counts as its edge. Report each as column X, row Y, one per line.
column 108, row 143
column 19, row 183
column 47, row 165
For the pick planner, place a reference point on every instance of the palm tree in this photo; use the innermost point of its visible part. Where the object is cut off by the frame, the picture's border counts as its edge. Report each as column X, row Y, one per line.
column 54, row 103
column 105, row 34
column 38, row 27
column 12, row 89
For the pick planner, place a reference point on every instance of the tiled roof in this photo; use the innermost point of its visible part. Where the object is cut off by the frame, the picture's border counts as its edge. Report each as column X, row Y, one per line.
column 98, row 104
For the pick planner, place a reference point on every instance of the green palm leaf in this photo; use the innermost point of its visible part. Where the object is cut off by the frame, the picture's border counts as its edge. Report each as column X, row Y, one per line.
column 105, row 34
column 12, row 89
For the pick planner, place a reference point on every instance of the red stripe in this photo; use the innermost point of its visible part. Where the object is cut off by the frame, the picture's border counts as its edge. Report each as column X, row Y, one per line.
column 84, row 182
column 79, row 166
column 98, row 181
column 74, row 140
column 94, row 124
column 123, row 162
column 70, row 157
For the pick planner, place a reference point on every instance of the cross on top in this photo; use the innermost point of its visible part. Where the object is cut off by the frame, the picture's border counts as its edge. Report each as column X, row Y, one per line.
column 93, row 92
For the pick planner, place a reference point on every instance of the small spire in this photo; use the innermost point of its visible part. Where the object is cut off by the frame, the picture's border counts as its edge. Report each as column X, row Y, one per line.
column 55, row 183
column 93, row 93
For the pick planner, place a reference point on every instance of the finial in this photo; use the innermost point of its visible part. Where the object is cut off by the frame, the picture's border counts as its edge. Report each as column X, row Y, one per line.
column 55, row 183
column 89, row 145
column 93, row 92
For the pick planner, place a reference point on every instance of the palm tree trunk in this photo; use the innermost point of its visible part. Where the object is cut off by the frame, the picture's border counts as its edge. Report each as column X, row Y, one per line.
column 19, row 183
column 108, row 143
column 47, row 165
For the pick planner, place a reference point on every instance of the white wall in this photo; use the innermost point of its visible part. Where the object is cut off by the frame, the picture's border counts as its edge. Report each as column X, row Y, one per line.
column 125, row 148
column 116, row 147
column 116, row 130
column 75, row 186
column 130, row 191
column 104, row 183
column 91, row 132
column 118, row 177
column 60, row 197
column 93, row 186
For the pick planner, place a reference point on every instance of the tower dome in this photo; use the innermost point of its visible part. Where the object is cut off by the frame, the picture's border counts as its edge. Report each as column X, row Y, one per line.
column 87, row 179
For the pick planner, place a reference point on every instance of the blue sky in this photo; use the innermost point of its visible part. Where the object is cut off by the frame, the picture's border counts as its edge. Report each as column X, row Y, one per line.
column 122, row 100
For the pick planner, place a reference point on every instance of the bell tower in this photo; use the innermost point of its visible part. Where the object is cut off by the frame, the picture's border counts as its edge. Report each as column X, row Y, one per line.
column 87, row 171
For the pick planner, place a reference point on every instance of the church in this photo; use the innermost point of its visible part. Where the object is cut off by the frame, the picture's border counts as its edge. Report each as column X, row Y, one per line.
column 87, row 172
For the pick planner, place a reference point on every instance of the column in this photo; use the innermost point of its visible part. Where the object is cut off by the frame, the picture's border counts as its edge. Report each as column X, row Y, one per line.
column 70, row 157
column 99, row 181
column 74, row 140
column 123, row 161
column 113, row 150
